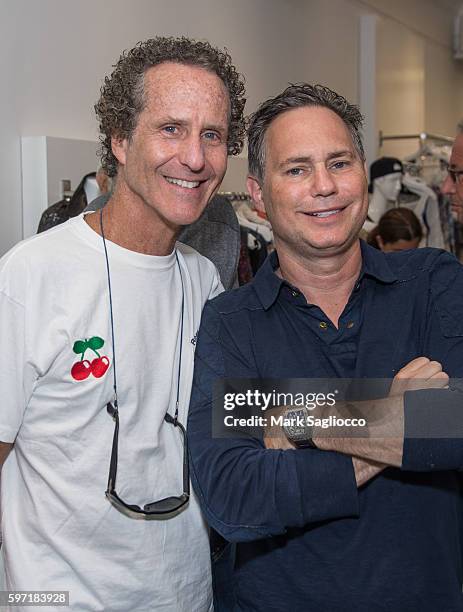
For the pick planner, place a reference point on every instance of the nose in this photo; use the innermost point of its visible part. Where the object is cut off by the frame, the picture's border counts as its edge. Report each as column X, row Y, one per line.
column 448, row 186
column 323, row 183
column 191, row 153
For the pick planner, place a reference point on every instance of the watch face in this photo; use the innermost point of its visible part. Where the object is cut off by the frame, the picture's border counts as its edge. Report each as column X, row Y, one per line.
column 295, row 423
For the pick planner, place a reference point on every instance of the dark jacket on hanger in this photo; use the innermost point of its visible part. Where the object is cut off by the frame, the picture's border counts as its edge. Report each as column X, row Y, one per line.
column 65, row 209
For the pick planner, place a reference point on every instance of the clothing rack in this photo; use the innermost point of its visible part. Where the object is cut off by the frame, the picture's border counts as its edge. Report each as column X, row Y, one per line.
column 422, row 137
column 235, row 196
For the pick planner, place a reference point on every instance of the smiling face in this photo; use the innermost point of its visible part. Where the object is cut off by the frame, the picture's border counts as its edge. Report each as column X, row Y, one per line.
column 454, row 190
column 176, row 157
column 314, row 188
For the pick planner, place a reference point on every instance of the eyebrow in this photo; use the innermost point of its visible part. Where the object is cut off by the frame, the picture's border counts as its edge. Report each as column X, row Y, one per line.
column 176, row 121
column 304, row 159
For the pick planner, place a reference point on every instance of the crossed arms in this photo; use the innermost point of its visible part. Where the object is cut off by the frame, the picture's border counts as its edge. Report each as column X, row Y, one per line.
column 248, row 491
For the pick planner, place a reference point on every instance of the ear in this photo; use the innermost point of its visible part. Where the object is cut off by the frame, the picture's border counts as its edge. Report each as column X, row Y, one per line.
column 255, row 191
column 119, row 148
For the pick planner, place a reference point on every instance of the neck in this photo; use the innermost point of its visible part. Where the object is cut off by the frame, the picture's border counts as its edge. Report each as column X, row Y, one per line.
column 324, row 281
column 132, row 224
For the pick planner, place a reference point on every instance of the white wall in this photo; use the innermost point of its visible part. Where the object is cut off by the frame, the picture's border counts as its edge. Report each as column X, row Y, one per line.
column 55, row 53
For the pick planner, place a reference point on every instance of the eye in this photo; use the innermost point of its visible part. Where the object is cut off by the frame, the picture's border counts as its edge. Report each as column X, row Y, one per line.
column 170, row 129
column 294, row 171
column 212, row 136
column 340, row 165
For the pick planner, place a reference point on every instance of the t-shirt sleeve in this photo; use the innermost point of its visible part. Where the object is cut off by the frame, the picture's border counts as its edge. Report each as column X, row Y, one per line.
column 434, row 417
column 246, row 491
column 216, row 285
column 16, row 375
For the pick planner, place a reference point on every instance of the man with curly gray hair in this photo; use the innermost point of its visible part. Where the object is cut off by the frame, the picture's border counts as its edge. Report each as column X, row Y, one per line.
column 98, row 318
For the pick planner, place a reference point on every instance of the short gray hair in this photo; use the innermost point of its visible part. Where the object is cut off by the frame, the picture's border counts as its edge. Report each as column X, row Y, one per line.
column 295, row 96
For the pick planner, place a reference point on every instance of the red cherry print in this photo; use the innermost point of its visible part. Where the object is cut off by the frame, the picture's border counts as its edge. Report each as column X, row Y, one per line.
column 99, row 366
column 81, row 370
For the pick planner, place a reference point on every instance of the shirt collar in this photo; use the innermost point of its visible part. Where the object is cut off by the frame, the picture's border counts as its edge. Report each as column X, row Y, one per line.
column 375, row 264
column 267, row 283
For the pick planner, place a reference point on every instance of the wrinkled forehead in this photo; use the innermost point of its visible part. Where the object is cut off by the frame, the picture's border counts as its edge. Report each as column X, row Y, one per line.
column 173, row 83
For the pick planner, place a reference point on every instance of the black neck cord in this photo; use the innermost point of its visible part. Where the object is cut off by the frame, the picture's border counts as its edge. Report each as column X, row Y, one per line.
column 112, row 325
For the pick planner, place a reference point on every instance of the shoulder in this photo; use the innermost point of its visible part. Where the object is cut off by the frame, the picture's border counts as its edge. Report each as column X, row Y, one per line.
column 194, row 261
column 236, row 301
column 32, row 257
column 439, row 265
column 202, row 272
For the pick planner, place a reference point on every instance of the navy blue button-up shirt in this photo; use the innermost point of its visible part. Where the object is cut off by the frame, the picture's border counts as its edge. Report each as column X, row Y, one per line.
column 307, row 539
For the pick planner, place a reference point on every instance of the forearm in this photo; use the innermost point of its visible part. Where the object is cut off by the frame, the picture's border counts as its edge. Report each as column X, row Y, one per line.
column 247, row 492
column 380, row 441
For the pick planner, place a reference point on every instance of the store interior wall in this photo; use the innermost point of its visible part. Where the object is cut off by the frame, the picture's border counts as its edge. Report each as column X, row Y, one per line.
column 55, row 54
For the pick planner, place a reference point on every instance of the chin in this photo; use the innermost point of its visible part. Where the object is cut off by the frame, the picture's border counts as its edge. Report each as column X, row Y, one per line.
column 185, row 218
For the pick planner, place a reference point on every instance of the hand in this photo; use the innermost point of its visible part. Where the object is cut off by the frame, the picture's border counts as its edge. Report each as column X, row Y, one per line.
column 365, row 470
column 420, row 373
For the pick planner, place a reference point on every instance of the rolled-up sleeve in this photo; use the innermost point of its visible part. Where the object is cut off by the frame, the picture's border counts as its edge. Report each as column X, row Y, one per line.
column 248, row 492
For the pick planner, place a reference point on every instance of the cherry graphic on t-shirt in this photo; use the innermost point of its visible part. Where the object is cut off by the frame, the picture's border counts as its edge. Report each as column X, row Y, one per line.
column 83, row 368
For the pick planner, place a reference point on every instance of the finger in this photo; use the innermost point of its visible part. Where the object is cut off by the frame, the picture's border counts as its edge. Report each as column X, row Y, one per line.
column 439, row 380
column 423, row 372
column 428, row 371
column 414, row 364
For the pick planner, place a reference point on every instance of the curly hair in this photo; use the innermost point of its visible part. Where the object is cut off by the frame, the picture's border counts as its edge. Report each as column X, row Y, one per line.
column 295, row 96
column 122, row 94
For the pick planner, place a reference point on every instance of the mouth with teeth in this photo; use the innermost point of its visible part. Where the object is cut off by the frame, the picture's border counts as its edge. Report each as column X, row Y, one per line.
column 182, row 183
column 328, row 213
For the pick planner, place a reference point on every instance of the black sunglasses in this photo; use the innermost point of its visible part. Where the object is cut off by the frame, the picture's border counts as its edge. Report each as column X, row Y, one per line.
column 163, row 508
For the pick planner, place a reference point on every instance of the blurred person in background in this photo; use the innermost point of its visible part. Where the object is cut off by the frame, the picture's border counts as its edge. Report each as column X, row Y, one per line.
column 398, row 230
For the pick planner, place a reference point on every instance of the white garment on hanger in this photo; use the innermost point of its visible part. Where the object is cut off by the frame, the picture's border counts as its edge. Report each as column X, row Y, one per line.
column 260, row 228
column 426, row 208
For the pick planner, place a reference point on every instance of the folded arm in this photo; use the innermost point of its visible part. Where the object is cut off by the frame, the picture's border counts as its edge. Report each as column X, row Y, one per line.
column 245, row 490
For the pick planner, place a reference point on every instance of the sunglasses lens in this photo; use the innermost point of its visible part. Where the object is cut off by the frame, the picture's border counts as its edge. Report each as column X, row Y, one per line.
column 167, row 505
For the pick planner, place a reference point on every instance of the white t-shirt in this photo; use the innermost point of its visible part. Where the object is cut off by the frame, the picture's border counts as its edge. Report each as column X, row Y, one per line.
column 59, row 530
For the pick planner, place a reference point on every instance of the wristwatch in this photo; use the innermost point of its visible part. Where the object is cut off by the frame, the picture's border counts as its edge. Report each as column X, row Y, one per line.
column 296, row 429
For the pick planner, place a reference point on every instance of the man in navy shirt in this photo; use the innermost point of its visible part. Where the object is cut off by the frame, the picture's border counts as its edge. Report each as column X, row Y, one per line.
column 344, row 524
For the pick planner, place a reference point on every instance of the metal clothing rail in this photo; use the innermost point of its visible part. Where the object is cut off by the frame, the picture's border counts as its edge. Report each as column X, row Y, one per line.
column 422, row 137
column 235, row 195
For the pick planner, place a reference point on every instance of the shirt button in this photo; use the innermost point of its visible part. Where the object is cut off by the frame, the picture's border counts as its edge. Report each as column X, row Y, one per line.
column 323, row 325
column 294, row 293
column 350, row 325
